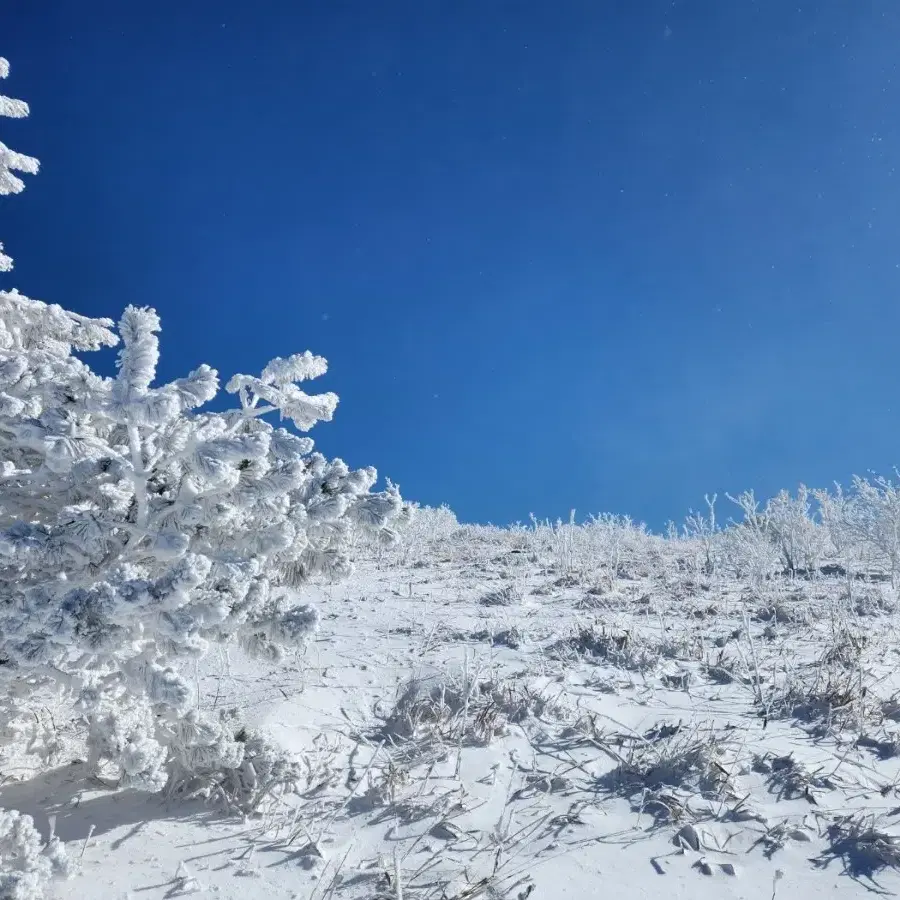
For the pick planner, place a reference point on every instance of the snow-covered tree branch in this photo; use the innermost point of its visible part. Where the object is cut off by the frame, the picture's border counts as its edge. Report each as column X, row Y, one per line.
column 10, row 161
column 136, row 529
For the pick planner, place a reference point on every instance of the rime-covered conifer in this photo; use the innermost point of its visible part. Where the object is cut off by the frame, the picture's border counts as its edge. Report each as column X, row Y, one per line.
column 136, row 529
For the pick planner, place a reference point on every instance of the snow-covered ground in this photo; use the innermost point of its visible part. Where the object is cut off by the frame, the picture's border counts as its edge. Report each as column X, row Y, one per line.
column 478, row 723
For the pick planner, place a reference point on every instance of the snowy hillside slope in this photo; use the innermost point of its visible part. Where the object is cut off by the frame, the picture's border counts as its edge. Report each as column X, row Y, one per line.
column 484, row 720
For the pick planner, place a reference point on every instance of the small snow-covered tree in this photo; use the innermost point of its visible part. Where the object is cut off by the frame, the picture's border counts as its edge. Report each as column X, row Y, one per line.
column 136, row 529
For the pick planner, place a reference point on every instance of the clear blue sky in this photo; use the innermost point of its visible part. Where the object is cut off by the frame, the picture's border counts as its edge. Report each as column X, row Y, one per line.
column 603, row 255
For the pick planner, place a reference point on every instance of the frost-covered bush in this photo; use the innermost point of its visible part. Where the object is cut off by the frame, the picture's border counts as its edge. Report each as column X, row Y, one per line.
column 423, row 531
column 870, row 517
column 430, row 525
column 136, row 529
column 255, row 770
column 702, row 533
column 748, row 549
column 27, row 863
column 625, row 548
column 801, row 541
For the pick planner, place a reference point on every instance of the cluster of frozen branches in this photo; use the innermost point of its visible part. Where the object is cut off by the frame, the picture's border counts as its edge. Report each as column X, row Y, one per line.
column 137, row 529
column 853, row 533
column 27, row 863
column 11, row 162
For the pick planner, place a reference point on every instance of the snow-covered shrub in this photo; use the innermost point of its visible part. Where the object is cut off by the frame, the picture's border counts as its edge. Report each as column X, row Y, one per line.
column 790, row 534
column 748, row 550
column 833, row 510
column 509, row 595
column 702, row 533
column 863, row 529
column 617, row 545
column 557, row 539
column 27, row 863
column 224, row 760
column 799, row 538
column 599, row 644
column 433, row 523
column 424, row 530
column 655, row 766
column 136, row 529
column 871, row 515
column 451, row 708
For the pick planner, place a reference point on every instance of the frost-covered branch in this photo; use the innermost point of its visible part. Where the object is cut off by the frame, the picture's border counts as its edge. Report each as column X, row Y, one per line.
column 10, row 161
column 136, row 529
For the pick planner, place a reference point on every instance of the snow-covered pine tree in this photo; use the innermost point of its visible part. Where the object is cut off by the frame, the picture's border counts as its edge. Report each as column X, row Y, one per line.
column 136, row 529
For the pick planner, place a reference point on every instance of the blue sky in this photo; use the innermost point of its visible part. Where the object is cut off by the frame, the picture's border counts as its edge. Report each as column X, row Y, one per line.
column 608, row 256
